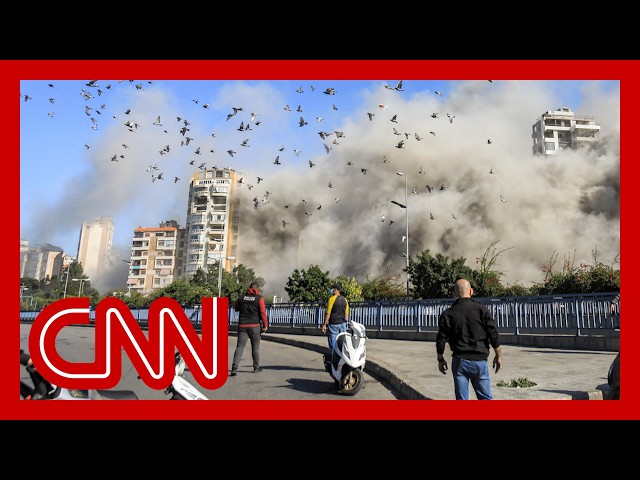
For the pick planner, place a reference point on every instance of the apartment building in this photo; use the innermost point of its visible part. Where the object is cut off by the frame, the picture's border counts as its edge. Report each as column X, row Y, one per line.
column 156, row 257
column 212, row 221
column 94, row 246
column 560, row 129
column 40, row 261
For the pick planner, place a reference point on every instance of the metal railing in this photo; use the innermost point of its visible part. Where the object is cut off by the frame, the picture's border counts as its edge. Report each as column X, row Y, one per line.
column 584, row 314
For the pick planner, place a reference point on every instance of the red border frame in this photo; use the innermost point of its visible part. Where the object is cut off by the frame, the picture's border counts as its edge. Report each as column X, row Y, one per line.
column 15, row 70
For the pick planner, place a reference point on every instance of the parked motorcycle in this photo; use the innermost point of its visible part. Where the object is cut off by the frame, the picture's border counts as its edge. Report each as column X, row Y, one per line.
column 346, row 365
column 41, row 389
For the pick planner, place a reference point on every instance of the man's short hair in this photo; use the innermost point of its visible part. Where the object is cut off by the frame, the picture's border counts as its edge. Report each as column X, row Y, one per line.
column 253, row 285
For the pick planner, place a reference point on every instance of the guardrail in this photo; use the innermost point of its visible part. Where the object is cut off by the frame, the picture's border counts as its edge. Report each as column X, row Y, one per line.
column 585, row 314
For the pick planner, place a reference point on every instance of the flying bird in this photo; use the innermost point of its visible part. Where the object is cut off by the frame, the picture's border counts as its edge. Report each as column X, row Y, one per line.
column 491, row 172
column 330, row 91
column 175, row 179
column 331, row 185
column 364, row 171
column 394, row 118
column 451, row 117
column 297, row 152
column 489, row 141
column 382, row 106
column 438, row 93
column 382, row 218
column 302, row 122
column 399, row 204
column 421, row 171
column 400, row 144
column 277, row 161
column 284, row 223
column 260, row 179
column 434, row 115
column 433, row 133
column 245, row 143
column 371, row 115
column 418, row 137
column 502, row 199
column 431, row 216
column 454, row 217
column 311, row 164
column 231, row 152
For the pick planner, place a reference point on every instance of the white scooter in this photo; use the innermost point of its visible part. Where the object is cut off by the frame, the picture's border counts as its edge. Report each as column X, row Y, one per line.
column 346, row 367
column 180, row 388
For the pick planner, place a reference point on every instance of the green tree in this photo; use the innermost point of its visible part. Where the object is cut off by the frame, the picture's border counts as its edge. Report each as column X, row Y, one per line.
column 311, row 285
column 236, row 283
column 383, row 288
column 351, row 288
column 485, row 279
column 184, row 292
column 433, row 277
column 584, row 278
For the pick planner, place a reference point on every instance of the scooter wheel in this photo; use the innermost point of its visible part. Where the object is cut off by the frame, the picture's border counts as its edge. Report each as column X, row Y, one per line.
column 351, row 382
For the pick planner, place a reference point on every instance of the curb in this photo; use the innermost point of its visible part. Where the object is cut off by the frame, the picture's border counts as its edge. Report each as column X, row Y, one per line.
column 403, row 386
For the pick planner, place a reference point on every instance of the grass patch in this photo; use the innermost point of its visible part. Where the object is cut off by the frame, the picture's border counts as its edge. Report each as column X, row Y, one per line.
column 517, row 383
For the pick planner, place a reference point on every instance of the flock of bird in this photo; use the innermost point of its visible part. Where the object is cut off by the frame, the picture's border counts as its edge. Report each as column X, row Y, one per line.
column 248, row 121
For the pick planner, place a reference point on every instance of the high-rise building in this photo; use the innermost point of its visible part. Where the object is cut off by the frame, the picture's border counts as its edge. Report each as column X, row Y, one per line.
column 156, row 257
column 94, row 246
column 212, row 221
column 560, row 129
column 40, row 261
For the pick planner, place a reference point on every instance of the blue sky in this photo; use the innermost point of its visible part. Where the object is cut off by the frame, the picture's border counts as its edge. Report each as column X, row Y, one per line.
column 67, row 175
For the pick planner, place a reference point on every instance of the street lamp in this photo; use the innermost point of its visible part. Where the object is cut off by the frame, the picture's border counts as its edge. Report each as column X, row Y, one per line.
column 220, row 273
column 406, row 214
column 66, row 282
column 128, row 275
column 81, row 280
column 22, row 289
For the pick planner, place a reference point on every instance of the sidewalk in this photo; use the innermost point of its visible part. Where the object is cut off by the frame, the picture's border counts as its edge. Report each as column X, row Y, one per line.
column 411, row 367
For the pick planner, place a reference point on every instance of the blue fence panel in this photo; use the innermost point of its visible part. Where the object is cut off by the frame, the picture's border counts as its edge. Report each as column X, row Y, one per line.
column 585, row 314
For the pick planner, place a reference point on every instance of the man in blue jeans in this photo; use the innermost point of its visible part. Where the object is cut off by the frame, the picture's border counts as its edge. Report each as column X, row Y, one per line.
column 336, row 318
column 470, row 330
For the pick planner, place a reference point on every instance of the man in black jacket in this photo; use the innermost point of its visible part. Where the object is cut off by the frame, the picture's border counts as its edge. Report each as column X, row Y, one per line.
column 252, row 321
column 470, row 329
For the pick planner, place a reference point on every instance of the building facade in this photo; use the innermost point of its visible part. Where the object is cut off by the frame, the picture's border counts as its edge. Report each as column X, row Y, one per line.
column 94, row 246
column 40, row 261
column 560, row 129
column 212, row 221
column 156, row 257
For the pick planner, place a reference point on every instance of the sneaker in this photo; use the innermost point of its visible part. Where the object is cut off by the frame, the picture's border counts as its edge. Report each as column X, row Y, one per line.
column 233, row 373
column 257, row 370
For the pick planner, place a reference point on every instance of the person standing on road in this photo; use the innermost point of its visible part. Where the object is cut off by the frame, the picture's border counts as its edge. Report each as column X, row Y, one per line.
column 252, row 321
column 470, row 330
column 336, row 319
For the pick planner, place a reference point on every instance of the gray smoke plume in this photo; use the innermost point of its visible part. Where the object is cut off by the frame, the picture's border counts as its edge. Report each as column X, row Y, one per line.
column 568, row 203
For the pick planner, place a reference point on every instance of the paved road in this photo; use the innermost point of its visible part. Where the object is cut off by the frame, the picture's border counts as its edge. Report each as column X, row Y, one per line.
column 290, row 372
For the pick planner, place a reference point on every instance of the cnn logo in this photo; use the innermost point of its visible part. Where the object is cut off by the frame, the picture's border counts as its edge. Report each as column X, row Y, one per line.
column 152, row 355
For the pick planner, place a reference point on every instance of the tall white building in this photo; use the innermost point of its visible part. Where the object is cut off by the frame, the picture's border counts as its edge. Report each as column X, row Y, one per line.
column 560, row 129
column 94, row 246
column 212, row 221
